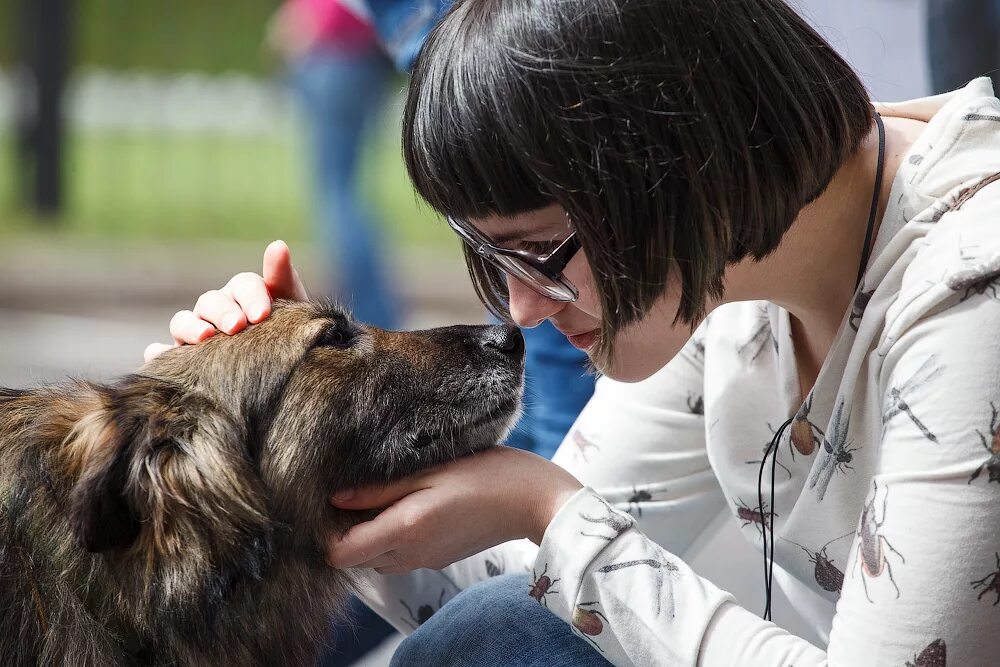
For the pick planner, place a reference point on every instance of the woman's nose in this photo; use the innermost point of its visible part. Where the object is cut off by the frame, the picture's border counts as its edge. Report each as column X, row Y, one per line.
column 528, row 308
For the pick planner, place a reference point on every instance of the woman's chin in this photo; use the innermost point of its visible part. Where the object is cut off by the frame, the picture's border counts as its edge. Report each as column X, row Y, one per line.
column 629, row 368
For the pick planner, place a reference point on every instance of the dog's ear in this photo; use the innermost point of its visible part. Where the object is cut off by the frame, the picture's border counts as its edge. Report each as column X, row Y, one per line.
column 100, row 516
column 168, row 460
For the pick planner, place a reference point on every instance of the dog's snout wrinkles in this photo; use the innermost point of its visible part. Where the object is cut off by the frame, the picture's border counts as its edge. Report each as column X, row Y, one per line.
column 506, row 339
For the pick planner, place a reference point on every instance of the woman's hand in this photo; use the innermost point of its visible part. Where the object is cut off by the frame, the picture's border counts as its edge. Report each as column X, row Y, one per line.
column 446, row 513
column 245, row 299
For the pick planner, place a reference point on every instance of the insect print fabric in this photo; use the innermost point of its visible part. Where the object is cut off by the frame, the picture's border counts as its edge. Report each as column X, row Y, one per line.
column 885, row 501
column 934, row 655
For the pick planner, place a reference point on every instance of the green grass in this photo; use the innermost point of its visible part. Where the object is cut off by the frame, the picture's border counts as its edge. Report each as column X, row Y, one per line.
column 196, row 187
column 174, row 35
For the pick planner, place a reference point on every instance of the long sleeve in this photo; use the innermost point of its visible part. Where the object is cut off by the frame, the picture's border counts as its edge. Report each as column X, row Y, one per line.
column 921, row 585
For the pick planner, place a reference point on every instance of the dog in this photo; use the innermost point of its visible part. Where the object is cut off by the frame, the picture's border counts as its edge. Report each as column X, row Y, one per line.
column 179, row 515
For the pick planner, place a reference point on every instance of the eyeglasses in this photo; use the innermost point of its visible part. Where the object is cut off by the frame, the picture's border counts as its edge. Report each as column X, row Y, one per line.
column 542, row 273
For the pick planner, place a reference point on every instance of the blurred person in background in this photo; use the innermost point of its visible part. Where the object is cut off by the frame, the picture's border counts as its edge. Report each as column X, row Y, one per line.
column 962, row 42
column 339, row 74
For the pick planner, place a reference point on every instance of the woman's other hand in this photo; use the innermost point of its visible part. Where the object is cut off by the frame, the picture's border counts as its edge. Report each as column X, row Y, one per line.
column 446, row 513
column 245, row 299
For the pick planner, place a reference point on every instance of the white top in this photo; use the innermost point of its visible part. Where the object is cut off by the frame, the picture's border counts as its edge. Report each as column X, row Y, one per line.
column 887, row 493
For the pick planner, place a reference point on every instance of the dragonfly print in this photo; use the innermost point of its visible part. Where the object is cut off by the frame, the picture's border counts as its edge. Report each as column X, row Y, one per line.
column 837, row 451
column 896, row 403
column 661, row 571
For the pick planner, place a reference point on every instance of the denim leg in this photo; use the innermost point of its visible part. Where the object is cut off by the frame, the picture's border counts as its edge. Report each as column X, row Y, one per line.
column 496, row 624
column 962, row 41
column 340, row 94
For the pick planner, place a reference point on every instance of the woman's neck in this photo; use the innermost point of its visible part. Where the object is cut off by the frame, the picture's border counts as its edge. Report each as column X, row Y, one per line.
column 813, row 271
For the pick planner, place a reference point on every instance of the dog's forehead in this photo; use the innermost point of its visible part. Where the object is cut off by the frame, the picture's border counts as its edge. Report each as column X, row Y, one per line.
column 304, row 317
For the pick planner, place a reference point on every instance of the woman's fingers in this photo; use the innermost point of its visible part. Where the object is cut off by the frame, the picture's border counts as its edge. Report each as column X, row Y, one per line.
column 280, row 276
column 188, row 329
column 153, row 350
column 365, row 542
column 220, row 309
column 376, row 496
column 250, row 293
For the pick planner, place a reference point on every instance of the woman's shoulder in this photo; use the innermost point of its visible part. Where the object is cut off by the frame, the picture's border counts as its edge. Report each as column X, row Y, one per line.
column 955, row 261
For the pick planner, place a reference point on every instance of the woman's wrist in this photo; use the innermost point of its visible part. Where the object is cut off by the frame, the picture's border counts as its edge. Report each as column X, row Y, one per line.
column 553, row 500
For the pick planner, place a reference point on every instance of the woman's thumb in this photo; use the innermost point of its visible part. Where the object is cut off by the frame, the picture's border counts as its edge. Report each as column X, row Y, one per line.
column 280, row 276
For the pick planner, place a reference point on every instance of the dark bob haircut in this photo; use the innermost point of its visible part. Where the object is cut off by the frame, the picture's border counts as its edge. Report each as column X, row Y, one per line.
column 679, row 135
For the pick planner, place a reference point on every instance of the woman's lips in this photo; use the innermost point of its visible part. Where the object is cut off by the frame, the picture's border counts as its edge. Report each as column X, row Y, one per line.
column 582, row 341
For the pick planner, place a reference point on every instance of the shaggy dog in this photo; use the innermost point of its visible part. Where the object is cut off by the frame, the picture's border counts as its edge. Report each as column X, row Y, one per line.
column 180, row 516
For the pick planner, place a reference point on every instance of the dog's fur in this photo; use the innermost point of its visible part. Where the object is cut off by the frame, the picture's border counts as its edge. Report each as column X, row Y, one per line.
column 180, row 516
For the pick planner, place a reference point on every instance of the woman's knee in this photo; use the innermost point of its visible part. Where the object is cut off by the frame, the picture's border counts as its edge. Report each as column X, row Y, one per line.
column 495, row 623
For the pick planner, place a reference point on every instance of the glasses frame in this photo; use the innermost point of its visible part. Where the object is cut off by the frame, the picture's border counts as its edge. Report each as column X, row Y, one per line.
column 551, row 265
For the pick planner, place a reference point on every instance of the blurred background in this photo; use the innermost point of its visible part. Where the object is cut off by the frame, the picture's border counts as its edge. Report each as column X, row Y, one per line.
column 150, row 150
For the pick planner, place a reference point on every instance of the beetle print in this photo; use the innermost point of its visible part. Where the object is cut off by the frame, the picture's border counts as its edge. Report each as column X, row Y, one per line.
column 873, row 558
column 542, row 586
column 839, row 453
column 895, row 403
column 616, row 521
column 424, row 612
column 990, row 583
column 805, row 437
column 589, row 622
column 992, row 463
column 637, row 498
column 582, row 445
column 828, row 576
column 759, row 338
column 752, row 515
column 976, row 280
column 767, row 448
column 935, row 655
column 696, row 404
column 662, row 569
column 861, row 299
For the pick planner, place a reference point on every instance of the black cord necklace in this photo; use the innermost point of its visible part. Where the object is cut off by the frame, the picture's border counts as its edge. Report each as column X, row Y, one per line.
column 766, row 513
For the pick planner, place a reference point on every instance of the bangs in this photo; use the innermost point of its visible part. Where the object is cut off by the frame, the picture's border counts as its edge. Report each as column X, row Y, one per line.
column 463, row 149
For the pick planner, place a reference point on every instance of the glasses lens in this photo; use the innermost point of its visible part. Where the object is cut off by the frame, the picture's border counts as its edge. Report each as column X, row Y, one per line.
column 558, row 289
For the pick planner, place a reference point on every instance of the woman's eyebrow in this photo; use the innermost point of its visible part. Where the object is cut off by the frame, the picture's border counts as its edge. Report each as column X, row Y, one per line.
column 508, row 235
column 514, row 234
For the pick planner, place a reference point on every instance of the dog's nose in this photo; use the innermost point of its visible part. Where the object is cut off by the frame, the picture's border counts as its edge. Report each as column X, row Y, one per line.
column 504, row 339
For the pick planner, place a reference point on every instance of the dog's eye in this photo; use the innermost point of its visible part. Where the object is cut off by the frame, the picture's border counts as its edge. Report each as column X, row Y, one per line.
column 334, row 336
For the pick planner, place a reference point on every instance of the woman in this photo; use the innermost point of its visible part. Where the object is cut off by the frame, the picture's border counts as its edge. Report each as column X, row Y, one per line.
column 709, row 167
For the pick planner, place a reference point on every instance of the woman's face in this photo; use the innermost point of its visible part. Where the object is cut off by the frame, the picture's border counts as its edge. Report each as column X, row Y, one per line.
column 639, row 350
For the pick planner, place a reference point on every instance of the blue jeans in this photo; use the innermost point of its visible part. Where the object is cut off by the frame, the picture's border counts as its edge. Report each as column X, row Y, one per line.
column 962, row 39
column 496, row 624
column 556, row 387
column 339, row 94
